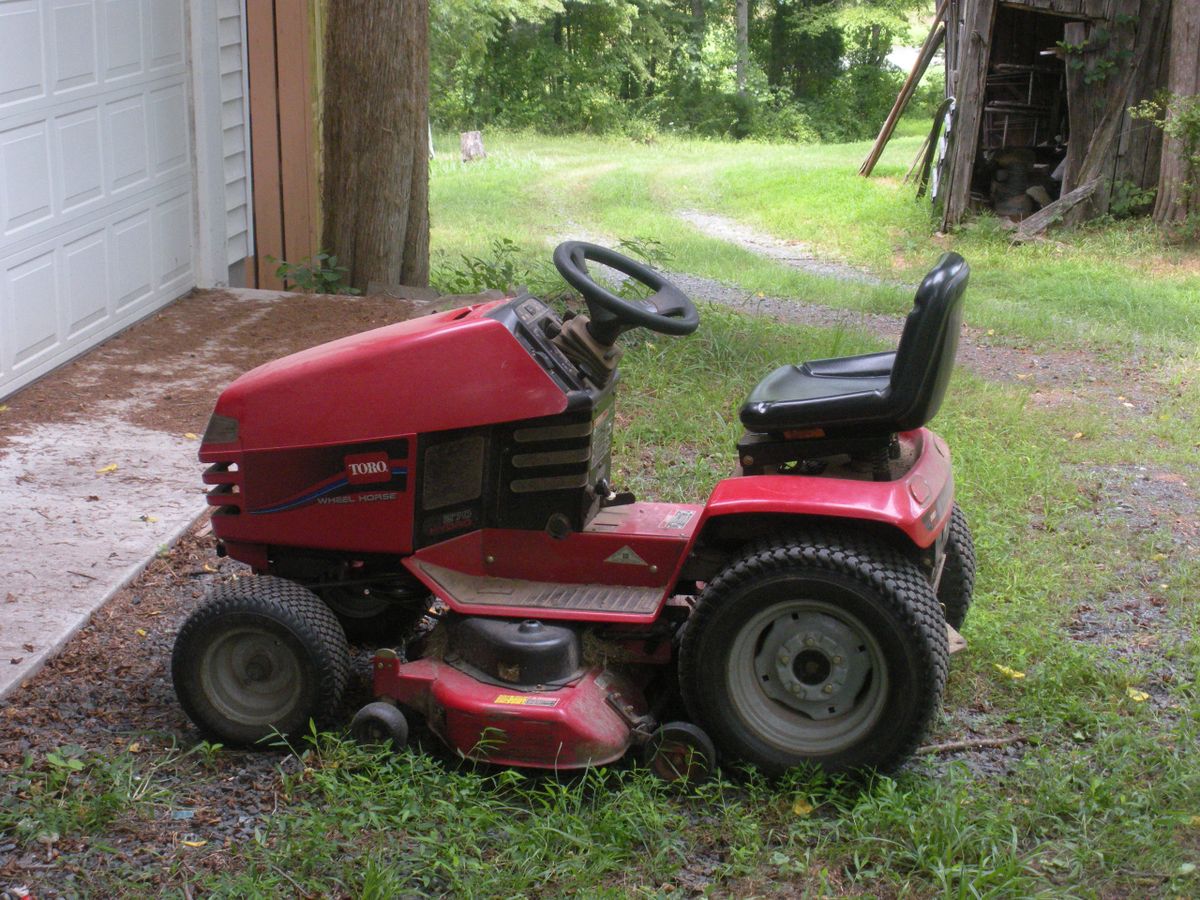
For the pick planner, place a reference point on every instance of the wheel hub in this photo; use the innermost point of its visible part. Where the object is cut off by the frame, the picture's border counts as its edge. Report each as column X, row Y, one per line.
column 812, row 663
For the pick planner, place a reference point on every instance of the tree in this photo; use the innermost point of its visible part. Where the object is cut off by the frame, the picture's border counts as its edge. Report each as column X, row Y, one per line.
column 376, row 180
column 1179, row 171
column 743, row 44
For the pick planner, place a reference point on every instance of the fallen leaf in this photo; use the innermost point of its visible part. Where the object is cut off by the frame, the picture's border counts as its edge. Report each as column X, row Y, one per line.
column 1194, row 821
column 135, row 747
column 991, row 331
column 802, row 808
column 193, row 843
column 1136, row 696
column 150, row 519
column 1077, row 435
column 1023, row 375
column 1127, row 405
column 208, row 568
column 1159, row 557
column 1010, row 672
column 1187, row 868
column 3, row 407
column 111, row 467
column 28, row 648
column 17, row 660
column 191, row 437
column 141, row 632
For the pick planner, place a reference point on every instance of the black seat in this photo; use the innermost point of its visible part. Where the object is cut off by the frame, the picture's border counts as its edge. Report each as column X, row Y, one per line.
column 877, row 393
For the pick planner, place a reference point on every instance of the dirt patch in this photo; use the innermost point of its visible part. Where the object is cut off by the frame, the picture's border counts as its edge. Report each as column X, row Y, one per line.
column 796, row 254
column 109, row 692
column 167, row 370
column 1138, row 624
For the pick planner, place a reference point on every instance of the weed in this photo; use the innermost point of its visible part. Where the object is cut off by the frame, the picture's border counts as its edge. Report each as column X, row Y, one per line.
column 318, row 274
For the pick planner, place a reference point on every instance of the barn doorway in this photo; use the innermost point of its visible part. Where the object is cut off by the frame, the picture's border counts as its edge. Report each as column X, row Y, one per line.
column 1024, row 127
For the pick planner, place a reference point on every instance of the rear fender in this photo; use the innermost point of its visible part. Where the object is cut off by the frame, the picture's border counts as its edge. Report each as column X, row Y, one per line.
column 915, row 507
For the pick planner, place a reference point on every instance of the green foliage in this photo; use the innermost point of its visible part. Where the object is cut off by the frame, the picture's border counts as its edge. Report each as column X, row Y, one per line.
column 319, row 274
column 818, row 68
column 505, row 268
column 1179, row 118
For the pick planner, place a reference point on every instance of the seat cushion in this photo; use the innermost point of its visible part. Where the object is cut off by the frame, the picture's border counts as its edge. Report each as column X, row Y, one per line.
column 792, row 397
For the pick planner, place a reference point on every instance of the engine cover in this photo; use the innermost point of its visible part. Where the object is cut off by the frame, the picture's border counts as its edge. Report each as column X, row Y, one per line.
column 525, row 653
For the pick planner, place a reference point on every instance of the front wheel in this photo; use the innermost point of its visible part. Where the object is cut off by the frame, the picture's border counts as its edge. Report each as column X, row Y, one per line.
column 825, row 649
column 262, row 656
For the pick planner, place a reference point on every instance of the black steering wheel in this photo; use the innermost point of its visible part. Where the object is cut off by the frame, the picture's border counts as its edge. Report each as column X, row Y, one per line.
column 667, row 311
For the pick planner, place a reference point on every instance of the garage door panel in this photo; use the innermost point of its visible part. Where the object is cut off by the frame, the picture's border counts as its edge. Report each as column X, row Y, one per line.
column 21, row 49
column 30, row 287
column 169, row 117
column 166, row 33
column 73, row 48
column 132, row 270
column 128, row 143
column 26, row 197
column 80, row 159
column 173, row 239
column 97, row 206
column 122, row 45
column 85, row 268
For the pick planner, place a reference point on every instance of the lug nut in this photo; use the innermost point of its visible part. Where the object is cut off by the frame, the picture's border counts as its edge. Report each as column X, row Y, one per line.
column 837, row 660
column 828, row 689
column 809, row 642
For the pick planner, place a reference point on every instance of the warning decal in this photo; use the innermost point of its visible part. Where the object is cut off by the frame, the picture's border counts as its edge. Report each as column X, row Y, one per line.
column 524, row 700
column 626, row 557
column 678, row 519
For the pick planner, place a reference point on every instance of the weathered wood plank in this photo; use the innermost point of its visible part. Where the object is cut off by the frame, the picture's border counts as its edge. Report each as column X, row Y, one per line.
column 974, row 52
column 1048, row 215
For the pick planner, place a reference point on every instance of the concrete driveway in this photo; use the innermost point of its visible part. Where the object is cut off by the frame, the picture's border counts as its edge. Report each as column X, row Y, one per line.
column 98, row 468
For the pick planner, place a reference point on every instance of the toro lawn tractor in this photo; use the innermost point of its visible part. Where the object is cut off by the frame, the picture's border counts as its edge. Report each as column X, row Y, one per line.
column 452, row 473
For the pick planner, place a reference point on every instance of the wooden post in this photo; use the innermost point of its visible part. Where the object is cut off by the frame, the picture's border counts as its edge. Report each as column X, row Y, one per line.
column 932, row 41
column 973, row 55
column 282, row 136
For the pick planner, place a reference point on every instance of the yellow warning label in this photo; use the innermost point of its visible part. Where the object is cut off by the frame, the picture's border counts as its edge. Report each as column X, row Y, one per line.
column 524, row 700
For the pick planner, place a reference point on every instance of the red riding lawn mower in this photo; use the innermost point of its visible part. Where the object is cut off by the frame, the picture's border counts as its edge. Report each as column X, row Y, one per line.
column 444, row 483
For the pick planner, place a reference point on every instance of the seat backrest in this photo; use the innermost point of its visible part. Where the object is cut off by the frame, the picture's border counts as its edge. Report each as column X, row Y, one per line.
column 925, row 355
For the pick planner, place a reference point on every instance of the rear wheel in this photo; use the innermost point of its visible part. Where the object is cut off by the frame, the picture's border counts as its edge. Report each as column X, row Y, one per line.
column 262, row 655
column 822, row 648
column 958, row 573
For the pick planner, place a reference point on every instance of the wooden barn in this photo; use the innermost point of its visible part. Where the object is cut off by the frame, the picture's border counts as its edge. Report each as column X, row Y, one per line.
column 1038, row 106
column 1042, row 93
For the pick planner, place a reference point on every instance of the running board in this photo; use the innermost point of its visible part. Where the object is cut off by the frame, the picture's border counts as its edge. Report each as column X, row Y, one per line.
column 544, row 596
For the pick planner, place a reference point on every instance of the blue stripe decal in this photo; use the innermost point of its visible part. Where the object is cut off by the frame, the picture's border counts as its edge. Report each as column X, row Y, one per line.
column 321, row 492
column 300, row 501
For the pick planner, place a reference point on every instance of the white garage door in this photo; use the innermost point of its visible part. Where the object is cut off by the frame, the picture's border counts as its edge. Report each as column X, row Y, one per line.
column 96, row 207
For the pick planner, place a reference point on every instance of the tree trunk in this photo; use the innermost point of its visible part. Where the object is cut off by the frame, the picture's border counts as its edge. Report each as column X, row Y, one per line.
column 743, row 43
column 1175, row 201
column 376, row 184
column 699, row 25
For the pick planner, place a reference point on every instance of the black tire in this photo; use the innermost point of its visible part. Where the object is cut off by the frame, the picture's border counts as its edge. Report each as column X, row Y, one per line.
column 373, row 618
column 380, row 724
column 958, row 573
column 822, row 648
column 262, row 655
column 681, row 753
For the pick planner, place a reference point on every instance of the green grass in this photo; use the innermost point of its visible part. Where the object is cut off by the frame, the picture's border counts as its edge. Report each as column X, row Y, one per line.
column 1093, row 287
column 1102, row 798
